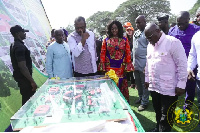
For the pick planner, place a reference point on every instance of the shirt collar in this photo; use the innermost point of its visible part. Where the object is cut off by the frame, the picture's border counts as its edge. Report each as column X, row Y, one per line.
column 19, row 40
column 161, row 39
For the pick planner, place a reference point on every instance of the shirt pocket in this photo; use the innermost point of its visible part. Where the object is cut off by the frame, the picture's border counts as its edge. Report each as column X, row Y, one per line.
column 59, row 55
column 162, row 57
column 166, row 82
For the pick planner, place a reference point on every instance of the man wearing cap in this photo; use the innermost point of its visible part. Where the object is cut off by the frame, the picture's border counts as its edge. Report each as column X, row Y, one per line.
column 139, row 53
column 163, row 23
column 22, row 63
column 184, row 31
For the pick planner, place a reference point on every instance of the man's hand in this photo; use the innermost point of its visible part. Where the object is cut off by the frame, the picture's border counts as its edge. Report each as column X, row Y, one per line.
column 34, row 86
column 84, row 36
column 179, row 91
column 191, row 75
column 146, row 85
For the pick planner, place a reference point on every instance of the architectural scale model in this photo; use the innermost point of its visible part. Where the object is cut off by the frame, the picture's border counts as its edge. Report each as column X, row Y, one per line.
column 71, row 102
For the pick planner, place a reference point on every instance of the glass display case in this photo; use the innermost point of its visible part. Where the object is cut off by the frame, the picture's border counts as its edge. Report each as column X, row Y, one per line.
column 72, row 100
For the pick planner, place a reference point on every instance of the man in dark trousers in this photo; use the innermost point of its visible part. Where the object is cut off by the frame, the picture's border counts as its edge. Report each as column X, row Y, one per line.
column 184, row 31
column 22, row 63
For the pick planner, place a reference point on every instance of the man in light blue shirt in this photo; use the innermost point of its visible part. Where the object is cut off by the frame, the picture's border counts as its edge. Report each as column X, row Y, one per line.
column 58, row 58
column 139, row 62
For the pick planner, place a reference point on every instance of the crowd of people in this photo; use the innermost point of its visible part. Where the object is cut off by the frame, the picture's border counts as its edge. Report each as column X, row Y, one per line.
column 157, row 59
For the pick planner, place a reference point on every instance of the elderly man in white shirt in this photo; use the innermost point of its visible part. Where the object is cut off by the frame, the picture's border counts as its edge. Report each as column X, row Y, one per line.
column 193, row 60
column 82, row 44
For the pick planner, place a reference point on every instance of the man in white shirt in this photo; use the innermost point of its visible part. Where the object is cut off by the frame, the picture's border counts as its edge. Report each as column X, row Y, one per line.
column 193, row 60
column 82, row 44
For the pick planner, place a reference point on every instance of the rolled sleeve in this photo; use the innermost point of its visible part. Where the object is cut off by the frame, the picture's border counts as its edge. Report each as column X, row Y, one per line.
column 192, row 58
column 146, row 73
column 76, row 48
column 80, row 47
column 181, row 84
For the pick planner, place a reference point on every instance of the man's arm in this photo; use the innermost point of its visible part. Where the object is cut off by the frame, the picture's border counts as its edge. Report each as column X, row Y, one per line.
column 146, row 76
column 49, row 62
column 192, row 60
column 76, row 48
column 20, row 56
column 179, row 56
column 24, row 70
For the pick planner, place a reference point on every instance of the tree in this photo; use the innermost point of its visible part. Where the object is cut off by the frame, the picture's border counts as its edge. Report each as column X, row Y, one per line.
column 129, row 10
column 99, row 21
column 70, row 28
column 172, row 18
column 194, row 9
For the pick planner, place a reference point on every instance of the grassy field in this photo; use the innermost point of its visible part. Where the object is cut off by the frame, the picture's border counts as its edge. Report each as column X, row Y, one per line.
column 12, row 103
column 147, row 117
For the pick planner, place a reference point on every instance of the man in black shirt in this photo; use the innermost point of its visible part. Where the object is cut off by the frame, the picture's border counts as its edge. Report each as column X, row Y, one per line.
column 22, row 63
column 163, row 23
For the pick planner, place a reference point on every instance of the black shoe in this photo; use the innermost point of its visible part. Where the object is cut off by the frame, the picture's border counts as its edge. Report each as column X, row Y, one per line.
column 138, row 101
column 154, row 130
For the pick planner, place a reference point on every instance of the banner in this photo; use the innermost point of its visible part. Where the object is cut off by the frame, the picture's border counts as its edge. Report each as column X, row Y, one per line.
column 30, row 15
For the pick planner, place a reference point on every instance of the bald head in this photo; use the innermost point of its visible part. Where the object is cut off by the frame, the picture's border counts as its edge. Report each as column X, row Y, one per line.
column 184, row 14
column 58, row 30
column 183, row 20
column 140, row 22
column 59, row 36
column 141, row 17
column 152, row 33
column 151, row 27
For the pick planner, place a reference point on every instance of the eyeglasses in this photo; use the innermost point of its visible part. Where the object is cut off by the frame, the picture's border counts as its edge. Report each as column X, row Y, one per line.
column 149, row 37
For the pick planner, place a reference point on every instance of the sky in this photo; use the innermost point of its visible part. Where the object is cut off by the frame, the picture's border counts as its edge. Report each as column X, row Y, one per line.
column 61, row 13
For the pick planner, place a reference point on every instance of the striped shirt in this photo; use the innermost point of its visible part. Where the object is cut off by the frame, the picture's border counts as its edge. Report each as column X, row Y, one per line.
column 83, row 62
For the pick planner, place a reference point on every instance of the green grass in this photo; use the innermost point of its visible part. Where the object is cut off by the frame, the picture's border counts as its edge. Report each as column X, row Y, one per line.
column 147, row 117
column 12, row 103
column 9, row 105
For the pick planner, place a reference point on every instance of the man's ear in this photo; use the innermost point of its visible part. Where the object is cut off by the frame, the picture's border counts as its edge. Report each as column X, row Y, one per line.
column 16, row 35
column 188, row 19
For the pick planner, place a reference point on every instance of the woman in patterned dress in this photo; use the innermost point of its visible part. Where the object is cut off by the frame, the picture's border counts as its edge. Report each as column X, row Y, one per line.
column 116, row 55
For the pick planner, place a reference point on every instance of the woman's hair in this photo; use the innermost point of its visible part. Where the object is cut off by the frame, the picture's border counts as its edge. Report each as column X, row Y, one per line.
column 119, row 26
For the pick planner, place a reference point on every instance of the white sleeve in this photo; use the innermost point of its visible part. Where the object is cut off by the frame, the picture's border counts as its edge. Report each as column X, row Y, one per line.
column 76, row 48
column 192, row 58
column 180, row 60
